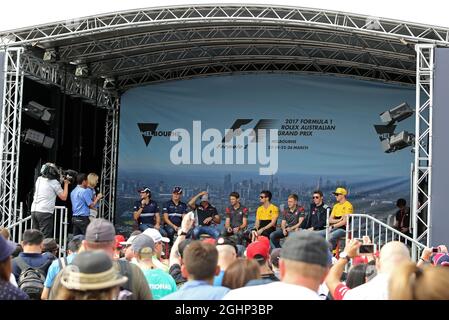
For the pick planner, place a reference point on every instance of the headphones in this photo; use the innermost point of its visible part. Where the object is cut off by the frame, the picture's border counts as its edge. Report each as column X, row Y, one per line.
column 50, row 171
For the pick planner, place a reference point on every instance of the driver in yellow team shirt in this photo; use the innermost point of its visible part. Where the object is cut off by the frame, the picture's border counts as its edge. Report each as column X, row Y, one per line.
column 338, row 217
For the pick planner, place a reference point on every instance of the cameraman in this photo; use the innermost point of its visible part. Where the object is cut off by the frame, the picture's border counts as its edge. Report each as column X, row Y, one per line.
column 47, row 187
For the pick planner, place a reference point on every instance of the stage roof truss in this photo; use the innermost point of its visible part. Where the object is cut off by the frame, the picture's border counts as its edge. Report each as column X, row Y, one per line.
column 139, row 47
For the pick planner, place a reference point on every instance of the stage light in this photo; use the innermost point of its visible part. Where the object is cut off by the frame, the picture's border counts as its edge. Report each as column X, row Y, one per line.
column 51, row 55
column 397, row 114
column 372, row 23
column 398, row 141
column 82, row 70
column 109, row 83
column 39, row 112
column 37, row 139
column 405, row 43
column 384, row 129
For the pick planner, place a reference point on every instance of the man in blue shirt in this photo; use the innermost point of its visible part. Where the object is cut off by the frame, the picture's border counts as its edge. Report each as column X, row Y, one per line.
column 72, row 248
column 200, row 267
column 174, row 210
column 146, row 212
column 81, row 205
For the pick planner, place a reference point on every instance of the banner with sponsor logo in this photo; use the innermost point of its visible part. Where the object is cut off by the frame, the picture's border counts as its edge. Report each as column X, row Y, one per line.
column 246, row 133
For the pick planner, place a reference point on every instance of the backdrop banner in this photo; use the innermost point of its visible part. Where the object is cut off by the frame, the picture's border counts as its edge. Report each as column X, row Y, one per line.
column 246, row 133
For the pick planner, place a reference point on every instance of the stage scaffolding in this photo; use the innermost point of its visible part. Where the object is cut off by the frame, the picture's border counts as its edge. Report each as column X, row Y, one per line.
column 132, row 48
column 422, row 191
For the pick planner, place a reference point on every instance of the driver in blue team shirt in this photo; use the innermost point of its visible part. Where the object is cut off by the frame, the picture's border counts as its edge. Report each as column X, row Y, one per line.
column 174, row 210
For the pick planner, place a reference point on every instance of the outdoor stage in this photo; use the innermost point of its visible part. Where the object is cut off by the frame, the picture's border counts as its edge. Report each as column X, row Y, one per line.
column 98, row 59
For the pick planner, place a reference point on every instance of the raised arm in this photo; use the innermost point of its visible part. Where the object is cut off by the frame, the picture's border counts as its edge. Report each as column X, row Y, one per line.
column 186, row 225
column 333, row 278
column 192, row 202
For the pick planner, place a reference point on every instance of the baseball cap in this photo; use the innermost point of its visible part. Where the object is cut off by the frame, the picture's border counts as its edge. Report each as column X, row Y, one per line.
column 145, row 189
column 341, row 191
column 205, row 197
column 6, row 248
column 264, row 240
column 79, row 237
column 359, row 260
column 210, row 241
column 177, row 190
column 100, row 230
column 118, row 241
column 257, row 248
column 441, row 259
column 307, row 247
column 129, row 241
column 227, row 241
column 142, row 241
column 155, row 235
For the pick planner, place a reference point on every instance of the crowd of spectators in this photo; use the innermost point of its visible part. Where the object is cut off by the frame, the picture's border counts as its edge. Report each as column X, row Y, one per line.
column 297, row 264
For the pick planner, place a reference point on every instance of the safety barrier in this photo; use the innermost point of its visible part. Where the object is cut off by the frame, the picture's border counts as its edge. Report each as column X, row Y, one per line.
column 20, row 224
column 359, row 225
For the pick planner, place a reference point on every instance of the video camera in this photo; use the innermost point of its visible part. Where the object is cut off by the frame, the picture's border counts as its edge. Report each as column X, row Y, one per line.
column 51, row 171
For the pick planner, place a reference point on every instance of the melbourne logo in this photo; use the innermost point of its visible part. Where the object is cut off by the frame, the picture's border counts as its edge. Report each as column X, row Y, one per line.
column 148, row 131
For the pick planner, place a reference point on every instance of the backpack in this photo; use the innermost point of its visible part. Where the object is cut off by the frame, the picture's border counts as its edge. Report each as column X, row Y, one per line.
column 31, row 280
column 125, row 270
column 62, row 262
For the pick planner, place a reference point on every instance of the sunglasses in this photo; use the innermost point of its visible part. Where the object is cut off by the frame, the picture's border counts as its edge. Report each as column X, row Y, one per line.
column 316, row 197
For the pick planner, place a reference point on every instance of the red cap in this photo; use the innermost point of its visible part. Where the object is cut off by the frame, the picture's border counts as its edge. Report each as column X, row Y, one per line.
column 258, row 248
column 359, row 260
column 119, row 238
column 210, row 240
column 264, row 240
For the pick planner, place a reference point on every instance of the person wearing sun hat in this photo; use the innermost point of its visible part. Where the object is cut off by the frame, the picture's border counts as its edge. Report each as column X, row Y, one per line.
column 100, row 235
column 7, row 290
column 91, row 276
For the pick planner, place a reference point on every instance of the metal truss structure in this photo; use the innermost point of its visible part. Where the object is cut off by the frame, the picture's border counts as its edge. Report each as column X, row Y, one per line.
column 109, row 168
column 56, row 74
column 422, row 192
column 122, row 50
column 11, row 117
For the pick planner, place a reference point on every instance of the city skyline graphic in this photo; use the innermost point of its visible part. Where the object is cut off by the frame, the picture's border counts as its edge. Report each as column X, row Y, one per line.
column 326, row 139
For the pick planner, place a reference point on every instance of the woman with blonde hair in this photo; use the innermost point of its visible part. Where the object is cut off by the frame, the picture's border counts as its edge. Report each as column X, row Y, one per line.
column 410, row 282
column 92, row 181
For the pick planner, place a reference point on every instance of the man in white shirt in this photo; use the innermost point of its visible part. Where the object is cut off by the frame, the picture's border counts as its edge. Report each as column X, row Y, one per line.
column 392, row 254
column 303, row 266
column 46, row 189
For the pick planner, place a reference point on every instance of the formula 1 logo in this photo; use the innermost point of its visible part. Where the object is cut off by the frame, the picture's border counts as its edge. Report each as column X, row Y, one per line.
column 237, row 129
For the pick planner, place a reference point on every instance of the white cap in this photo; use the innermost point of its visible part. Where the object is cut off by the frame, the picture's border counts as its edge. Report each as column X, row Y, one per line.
column 129, row 241
column 155, row 235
